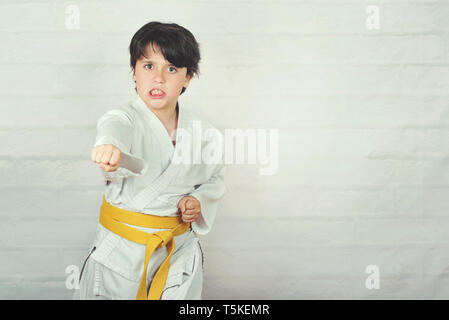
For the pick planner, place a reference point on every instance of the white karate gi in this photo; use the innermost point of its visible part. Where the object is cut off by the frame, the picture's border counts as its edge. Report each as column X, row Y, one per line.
column 148, row 181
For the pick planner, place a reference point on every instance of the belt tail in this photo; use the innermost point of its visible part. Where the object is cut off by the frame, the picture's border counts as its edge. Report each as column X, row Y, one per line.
column 160, row 278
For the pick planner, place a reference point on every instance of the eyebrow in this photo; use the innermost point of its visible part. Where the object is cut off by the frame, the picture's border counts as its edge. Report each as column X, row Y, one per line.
column 146, row 60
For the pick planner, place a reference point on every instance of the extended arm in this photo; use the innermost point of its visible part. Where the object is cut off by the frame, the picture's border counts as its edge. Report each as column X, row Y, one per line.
column 116, row 128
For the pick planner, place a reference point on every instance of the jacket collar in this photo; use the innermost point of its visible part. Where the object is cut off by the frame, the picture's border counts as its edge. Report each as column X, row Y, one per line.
column 154, row 121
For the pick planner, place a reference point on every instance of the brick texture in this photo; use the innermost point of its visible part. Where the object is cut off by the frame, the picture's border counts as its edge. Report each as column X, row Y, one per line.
column 363, row 120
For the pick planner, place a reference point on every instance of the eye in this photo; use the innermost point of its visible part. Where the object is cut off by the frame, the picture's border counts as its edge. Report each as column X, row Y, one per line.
column 174, row 69
column 145, row 66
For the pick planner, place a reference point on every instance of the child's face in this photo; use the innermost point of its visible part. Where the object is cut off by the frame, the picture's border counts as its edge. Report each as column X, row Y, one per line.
column 153, row 71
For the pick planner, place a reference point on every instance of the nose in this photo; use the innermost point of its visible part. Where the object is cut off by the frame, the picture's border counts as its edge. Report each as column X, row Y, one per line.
column 158, row 76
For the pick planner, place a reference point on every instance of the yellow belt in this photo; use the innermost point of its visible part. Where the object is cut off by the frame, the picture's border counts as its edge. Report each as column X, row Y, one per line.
column 111, row 218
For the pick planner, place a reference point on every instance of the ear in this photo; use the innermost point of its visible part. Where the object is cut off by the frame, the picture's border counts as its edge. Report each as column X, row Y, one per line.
column 134, row 75
column 187, row 81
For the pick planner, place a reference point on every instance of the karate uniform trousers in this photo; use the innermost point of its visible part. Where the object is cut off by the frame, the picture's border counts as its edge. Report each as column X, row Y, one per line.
column 184, row 279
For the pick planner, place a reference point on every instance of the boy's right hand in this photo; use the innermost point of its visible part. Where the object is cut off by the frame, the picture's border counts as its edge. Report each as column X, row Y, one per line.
column 107, row 156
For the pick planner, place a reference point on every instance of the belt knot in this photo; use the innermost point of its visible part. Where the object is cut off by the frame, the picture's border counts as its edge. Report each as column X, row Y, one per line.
column 165, row 236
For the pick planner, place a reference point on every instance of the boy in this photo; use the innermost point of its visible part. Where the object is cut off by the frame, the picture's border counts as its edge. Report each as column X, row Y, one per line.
column 146, row 245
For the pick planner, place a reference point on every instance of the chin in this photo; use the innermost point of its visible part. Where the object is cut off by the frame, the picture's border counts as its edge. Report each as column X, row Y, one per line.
column 156, row 104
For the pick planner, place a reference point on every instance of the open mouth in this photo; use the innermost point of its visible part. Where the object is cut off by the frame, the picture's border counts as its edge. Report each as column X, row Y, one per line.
column 156, row 93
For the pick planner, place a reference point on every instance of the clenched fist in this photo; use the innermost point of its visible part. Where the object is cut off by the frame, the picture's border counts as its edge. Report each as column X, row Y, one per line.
column 190, row 208
column 107, row 156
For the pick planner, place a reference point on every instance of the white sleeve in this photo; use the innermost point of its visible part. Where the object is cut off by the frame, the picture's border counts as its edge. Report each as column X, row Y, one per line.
column 116, row 128
column 209, row 194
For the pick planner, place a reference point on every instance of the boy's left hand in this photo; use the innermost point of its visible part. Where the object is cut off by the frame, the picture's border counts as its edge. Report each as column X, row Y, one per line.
column 190, row 208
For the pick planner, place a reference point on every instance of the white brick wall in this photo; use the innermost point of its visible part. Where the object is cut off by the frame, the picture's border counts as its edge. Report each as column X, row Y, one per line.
column 363, row 159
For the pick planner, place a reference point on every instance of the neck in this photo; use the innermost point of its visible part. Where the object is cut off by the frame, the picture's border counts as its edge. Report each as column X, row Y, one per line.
column 167, row 116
